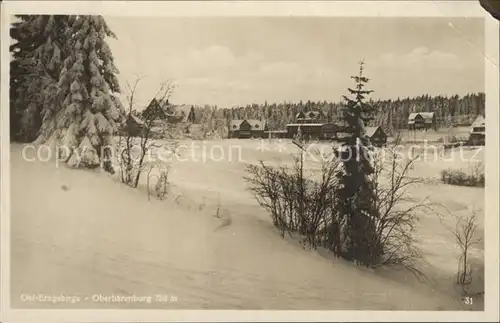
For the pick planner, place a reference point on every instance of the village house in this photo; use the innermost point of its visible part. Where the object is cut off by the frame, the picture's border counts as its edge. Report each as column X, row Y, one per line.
column 154, row 110
column 313, row 126
column 377, row 136
column 310, row 117
column 477, row 135
column 422, row 121
column 182, row 113
column 134, row 127
column 312, row 131
column 248, row 128
column 161, row 114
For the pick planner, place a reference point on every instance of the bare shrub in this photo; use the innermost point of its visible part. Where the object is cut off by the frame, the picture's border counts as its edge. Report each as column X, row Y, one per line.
column 162, row 184
column 476, row 171
column 474, row 176
column 135, row 145
column 161, row 187
column 398, row 211
column 267, row 186
column 465, row 237
column 298, row 203
column 319, row 215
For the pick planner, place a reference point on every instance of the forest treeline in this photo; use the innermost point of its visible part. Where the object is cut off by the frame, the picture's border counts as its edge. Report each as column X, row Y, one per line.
column 460, row 110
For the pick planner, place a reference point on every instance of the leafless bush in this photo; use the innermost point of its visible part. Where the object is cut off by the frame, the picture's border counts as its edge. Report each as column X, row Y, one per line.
column 134, row 149
column 162, row 183
column 267, row 186
column 473, row 177
column 476, row 170
column 465, row 237
column 319, row 214
column 397, row 210
column 298, row 203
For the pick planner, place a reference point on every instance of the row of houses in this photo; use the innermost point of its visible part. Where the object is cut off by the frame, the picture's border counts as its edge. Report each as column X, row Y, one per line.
column 316, row 125
column 312, row 125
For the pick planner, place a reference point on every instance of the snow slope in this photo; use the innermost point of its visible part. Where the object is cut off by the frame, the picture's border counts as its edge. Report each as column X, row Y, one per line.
column 82, row 233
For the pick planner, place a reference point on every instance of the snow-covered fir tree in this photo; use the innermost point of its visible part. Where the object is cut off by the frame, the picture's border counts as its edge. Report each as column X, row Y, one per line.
column 89, row 112
column 39, row 42
column 355, row 195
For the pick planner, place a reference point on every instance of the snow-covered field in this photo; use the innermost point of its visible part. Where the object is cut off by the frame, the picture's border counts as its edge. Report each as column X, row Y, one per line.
column 82, row 233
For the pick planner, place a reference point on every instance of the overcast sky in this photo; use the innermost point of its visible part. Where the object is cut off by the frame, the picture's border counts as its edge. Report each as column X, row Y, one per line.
column 236, row 61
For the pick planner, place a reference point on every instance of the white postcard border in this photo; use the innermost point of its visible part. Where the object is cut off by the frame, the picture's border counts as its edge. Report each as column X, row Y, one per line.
column 267, row 8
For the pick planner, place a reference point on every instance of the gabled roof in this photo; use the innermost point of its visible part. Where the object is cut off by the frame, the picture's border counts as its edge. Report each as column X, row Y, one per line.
column 412, row 116
column 479, row 122
column 300, row 115
column 257, row 124
column 427, row 116
column 309, row 115
column 182, row 111
column 154, row 104
column 305, row 125
column 254, row 123
column 370, row 131
column 136, row 119
column 235, row 124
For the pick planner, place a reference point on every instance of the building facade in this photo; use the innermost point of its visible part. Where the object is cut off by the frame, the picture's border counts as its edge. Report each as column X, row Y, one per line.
column 247, row 128
column 477, row 135
column 377, row 136
column 422, row 121
column 313, row 126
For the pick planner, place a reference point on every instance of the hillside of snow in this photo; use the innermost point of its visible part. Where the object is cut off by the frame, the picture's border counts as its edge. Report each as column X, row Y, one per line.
column 82, row 233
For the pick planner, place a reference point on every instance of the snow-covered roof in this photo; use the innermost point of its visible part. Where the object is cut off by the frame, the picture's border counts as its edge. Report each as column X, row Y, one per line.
column 183, row 111
column 412, row 116
column 479, row 122
column 305, row 124
column 427, row 116
column 257, row 124
column 254, row 123
column 136, row 120
column 235, row 124
column 309, row 115
column 370, row 131
column 479, row 125
column 300, row 115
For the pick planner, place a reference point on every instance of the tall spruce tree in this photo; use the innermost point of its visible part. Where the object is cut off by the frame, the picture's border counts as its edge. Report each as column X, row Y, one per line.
column 355, row 195
column 35, row 66
column 21, row 36
column 89, row 111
